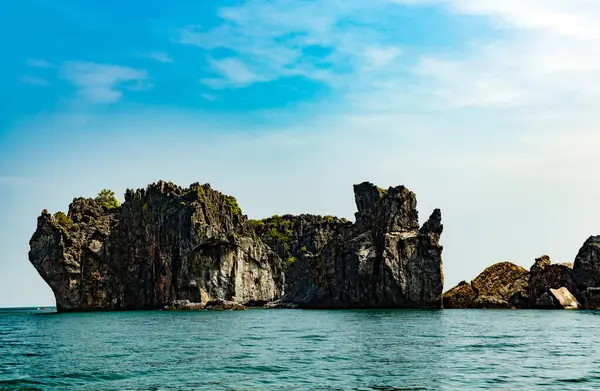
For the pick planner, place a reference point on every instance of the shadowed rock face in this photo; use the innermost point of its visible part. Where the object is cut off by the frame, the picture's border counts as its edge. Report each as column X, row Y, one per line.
column 163, row 244
column 587, row 263
column 383, row 260
column 544, row 277
column 167, row 244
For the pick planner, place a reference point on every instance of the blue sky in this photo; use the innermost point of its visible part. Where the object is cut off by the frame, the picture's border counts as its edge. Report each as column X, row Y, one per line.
column 486, row 109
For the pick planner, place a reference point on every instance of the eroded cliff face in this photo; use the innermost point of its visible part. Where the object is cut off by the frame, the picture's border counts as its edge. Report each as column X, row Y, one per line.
column 164, row 243
column 384, row 260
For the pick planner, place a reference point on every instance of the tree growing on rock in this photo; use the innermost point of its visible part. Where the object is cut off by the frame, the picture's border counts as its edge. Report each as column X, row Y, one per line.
column 107, row 199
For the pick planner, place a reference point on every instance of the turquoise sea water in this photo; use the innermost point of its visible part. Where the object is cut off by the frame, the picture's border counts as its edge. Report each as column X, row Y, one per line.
column 301, row 350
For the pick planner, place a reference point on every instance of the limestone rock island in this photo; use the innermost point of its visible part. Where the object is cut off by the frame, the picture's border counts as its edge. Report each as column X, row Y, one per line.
column 166, row 244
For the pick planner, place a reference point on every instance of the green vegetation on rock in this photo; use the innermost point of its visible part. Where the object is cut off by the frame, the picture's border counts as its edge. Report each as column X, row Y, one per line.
column 257, row 224
column 63, row 220
column 233, row 205
column 284, row 237
column 107, row 199
column 291, row 260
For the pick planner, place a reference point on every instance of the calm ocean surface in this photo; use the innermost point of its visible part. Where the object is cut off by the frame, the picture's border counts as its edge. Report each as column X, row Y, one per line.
column 301, row 350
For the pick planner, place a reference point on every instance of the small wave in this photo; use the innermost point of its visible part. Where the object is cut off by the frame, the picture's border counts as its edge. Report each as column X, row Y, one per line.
column 313, row 337
column 576, row 380
column 20, row 382
column 32, row 355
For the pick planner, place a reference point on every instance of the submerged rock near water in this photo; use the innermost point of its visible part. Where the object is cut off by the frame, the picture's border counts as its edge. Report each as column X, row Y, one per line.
column 194, row 247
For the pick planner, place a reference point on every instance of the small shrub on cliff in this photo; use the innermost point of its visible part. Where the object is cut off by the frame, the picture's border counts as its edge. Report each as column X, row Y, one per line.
column 303, row 249
column 257, row 224
column 107, row 199
column 233, row 205
column 276, row 235
column 63, row 220
column 291, row 260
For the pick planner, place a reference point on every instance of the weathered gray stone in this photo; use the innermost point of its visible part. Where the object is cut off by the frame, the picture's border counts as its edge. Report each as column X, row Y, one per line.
column 224, row 305
column 184, row 305
column 164, row 243
column 586, row 267
column 383, row 260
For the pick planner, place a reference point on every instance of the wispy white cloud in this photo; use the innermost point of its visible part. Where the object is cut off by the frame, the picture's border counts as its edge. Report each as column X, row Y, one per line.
column 542, row 52
column 160, row 57
column 233, row 72
column 37, row 63
column 546, row 56
column 276, row 39
column 209, row 97
column 34, row 81
column 101, row 83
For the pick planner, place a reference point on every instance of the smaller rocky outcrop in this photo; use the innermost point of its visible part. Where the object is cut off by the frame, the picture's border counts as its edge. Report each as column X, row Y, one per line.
column 461, row 296
column 279, row 304
column 184, row 305
column 503, row 285
column 224, row 305
column 213, row 305
column 547, row 285
column 545, row 276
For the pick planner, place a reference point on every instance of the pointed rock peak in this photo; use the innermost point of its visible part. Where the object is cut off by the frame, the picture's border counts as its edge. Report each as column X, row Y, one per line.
column 541, row 263
column 433, row 224
column 367, row 195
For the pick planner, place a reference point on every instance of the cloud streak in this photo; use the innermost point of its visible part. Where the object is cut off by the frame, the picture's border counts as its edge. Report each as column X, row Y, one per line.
column 37, row 63
column 34, row 81
column 102, row 83
column 290, row 39
column 160, row 57
column 542, row 53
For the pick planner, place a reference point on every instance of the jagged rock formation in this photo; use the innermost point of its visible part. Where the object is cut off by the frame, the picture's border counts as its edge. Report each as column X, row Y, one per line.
column 383, row 260
column 296, row 239
column 544, row 277
column 586, row 273
column 164, row 243
column 499, row 286
column 587, row 263
column 545, row 286
column 192, row 248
